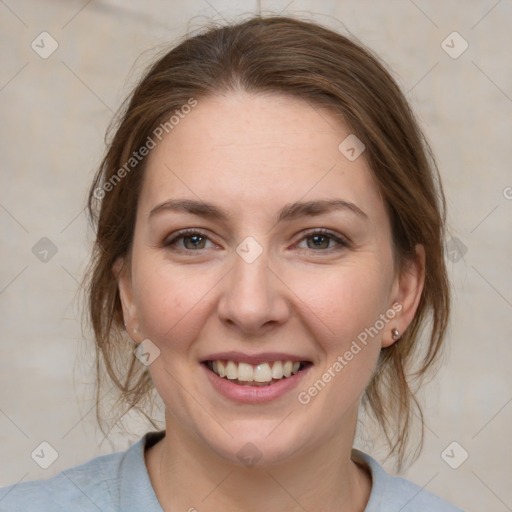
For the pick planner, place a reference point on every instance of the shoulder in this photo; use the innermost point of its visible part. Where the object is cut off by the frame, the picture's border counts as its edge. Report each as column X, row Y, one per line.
column 102, row 483
column 89, row 486
column 390, row 493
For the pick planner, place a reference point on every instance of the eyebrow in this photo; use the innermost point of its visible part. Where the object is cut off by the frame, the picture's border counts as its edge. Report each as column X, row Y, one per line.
column 288, row 212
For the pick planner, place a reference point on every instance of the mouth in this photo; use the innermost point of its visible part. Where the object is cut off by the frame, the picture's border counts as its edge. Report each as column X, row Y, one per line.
column 255, row 375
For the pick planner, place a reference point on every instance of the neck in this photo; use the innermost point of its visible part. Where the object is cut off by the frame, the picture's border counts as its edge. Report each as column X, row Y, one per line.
column 186, row 475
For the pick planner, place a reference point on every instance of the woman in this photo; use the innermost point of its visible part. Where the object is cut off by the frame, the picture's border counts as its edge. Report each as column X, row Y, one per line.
column 270, row 236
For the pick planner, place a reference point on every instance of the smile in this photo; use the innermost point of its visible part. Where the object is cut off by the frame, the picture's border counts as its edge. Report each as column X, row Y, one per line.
column 262, row 374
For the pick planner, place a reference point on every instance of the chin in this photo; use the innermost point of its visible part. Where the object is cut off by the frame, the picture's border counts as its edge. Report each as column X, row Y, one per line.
column 253, row 445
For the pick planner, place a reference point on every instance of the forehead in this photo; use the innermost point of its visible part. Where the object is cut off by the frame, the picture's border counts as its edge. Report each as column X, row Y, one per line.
column 256, row 152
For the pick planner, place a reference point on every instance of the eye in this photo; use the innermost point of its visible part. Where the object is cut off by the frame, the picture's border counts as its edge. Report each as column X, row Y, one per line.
column 322, row 239
column 319, row 240
column 188, row 240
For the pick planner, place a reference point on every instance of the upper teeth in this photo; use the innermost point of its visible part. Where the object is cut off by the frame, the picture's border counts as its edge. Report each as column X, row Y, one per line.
column 262, row 372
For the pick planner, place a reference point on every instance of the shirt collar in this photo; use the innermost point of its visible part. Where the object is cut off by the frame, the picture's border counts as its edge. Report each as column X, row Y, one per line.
column 135, row 491
column 380, row 479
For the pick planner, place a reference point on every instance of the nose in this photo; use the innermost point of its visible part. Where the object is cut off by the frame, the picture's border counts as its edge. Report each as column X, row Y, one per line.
column 253, row 298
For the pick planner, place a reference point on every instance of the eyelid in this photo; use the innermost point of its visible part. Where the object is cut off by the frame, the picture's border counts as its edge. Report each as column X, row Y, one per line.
column 170, row 240
column 341, row 240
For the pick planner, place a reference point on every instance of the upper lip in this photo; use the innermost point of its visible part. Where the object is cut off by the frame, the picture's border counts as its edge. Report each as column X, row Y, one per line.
column 262, row 357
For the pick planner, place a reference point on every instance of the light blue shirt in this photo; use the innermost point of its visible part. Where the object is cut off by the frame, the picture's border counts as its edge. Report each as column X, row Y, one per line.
column 119, row 482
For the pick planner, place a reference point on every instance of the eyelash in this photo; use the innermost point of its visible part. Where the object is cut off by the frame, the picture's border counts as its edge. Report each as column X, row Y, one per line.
column 186, row 233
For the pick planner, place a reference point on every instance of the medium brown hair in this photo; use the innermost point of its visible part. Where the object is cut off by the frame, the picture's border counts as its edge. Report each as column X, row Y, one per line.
column 305, row 60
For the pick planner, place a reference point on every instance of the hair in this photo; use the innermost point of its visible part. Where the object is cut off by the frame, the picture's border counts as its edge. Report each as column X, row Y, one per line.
column 302, row 59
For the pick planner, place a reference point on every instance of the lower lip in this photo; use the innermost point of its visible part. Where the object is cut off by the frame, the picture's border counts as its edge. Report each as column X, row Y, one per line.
column 253, row 394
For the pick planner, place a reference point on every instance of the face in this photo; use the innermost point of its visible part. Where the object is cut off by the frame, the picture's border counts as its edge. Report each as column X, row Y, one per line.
column 259, row 248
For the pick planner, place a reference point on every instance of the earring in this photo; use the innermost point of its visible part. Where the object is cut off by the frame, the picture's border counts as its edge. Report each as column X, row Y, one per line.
column 395, row 334
column 135, row 331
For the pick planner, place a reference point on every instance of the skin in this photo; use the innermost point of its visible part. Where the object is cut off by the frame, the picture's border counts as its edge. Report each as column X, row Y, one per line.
column 251, row 155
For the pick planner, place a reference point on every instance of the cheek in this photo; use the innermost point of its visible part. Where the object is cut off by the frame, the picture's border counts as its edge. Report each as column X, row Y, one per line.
column 345, row 300
column 171, row 302
column 334, row 303
column 343, row 314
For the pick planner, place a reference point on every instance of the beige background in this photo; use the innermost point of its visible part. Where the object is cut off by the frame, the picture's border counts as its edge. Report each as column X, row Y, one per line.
column 54, row 115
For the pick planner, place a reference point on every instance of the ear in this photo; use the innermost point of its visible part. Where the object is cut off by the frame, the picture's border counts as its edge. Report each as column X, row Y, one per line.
column 122, row 272
column 407, row 291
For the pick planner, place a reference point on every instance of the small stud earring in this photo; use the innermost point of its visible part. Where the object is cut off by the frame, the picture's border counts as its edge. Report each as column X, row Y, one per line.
column 395, row 334
column 135, row 331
